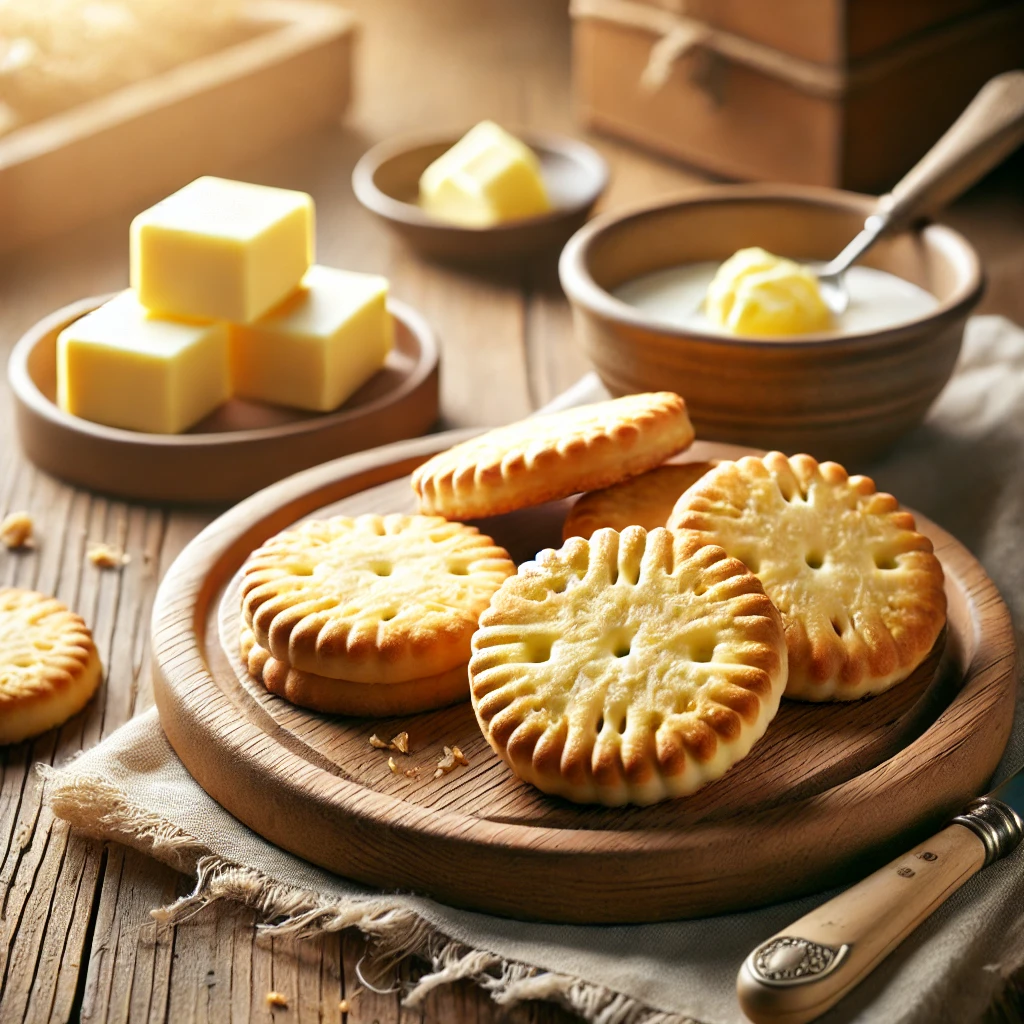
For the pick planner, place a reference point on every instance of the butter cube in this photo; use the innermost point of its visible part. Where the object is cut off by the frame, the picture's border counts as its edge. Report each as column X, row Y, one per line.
column 124, row 367
column 319, row 346
column 221, row 250
column 486, row 178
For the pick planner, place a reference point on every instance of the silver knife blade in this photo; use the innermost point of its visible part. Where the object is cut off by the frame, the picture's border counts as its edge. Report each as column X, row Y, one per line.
column 1011, row 792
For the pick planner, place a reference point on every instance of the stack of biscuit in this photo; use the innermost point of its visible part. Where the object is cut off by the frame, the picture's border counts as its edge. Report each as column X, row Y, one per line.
column 650, row 652
column 370, row 615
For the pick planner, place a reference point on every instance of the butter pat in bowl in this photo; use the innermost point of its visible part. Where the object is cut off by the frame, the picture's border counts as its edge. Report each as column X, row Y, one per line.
column 489, row 177
column 638, row 284
column 484, row 195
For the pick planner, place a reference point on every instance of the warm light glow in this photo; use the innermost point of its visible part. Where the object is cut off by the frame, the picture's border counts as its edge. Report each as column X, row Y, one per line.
column 55, row 54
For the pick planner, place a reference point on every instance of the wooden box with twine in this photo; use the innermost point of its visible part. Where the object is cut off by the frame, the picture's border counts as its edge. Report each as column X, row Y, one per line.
column 845, row 93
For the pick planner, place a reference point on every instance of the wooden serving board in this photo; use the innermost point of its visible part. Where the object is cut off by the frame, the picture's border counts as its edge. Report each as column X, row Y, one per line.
column 239, row 447
column 828, row 793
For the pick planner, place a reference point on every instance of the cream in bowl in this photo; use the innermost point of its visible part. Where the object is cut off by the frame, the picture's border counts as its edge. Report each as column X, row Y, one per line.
column 757, row 294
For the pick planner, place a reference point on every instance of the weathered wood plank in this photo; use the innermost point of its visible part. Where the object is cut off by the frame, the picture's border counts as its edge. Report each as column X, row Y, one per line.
column 75, row 931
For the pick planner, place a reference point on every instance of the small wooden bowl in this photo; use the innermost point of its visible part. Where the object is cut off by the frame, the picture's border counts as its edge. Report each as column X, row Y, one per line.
column 386, row 181
column 845, row 397
column 237, row 449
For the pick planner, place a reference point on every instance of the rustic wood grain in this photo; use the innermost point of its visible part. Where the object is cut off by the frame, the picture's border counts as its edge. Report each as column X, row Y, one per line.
column 506, row 348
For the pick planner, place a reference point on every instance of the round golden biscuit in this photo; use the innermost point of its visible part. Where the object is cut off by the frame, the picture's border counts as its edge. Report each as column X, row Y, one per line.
column 646, row 500
column 629, row 668
column 552, row 456
column 374, row 599
column 49, row 667
column 860, row 591
column 340, row 697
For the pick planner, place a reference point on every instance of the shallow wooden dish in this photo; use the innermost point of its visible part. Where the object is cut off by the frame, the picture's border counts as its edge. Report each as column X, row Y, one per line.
column 845, row 397
column 828, row 793
column 386, row 182
column 240, row 447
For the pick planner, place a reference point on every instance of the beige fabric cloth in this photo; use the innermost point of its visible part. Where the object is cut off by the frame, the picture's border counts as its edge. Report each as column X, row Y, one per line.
column 964, row 469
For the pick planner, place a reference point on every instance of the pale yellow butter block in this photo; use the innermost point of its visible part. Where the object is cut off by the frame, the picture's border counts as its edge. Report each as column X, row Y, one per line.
column 221, row 250
column 124, row 367
column 318, row 347
column 488, row 177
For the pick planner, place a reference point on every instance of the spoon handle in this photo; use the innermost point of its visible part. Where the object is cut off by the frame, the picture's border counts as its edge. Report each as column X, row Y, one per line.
column 989, row 130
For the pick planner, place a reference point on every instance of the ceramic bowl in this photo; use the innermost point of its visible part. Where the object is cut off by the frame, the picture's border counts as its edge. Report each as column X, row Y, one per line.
column 386, row 181
column 846, row 397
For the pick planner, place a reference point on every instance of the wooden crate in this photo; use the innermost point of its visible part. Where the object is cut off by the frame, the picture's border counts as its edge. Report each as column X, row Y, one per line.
column 199, row 118
column 777, row 117
column 835, row 32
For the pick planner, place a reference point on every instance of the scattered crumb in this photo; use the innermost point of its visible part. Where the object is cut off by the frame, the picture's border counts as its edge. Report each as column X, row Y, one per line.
column 277, row 999
column 16, row 531
column 23, row 835
column 399, row 743
column 106, row 556
column 453, row 757
column 409, row 773
column 343, row 1006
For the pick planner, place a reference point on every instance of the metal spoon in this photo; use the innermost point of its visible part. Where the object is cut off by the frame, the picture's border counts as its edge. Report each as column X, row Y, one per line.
column 989, row 130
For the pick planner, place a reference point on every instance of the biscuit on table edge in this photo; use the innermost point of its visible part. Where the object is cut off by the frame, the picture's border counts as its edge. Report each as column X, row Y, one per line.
column 49, row 666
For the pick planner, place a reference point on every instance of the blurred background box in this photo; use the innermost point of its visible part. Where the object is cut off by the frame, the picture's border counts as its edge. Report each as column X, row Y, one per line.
column 846, row 93
column 284, row 68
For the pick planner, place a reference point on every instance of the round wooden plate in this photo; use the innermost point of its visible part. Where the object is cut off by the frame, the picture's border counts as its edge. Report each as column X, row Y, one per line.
column 830, row 792
column 386, row 181
column 236, row 450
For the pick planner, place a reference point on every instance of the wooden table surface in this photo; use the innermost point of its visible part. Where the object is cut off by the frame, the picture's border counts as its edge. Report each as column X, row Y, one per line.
column 76, row 936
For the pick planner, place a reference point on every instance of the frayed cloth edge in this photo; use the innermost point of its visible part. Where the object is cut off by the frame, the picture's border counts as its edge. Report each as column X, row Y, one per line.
column 98, row 808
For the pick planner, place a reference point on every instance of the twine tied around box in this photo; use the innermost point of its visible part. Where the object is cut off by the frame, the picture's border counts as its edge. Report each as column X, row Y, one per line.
column 680, row 32
column 680, row 29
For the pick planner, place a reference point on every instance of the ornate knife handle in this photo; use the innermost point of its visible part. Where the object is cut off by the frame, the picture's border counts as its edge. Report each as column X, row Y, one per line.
column 789, row 960
column 798, row 974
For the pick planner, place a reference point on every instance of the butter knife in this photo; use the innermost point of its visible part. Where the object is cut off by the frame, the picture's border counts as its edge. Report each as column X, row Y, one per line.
column 804, row 970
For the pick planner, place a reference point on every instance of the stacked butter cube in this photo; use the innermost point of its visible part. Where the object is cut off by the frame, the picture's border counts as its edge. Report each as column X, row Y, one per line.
column 224, row 300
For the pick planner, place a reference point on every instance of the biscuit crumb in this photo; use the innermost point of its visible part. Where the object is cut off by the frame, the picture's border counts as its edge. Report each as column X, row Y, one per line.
column 277, row 999
column 16, row 531
column 399, row 744
column 409, row 773
column 453, row 757
column 106, row 556
column 343, row 1006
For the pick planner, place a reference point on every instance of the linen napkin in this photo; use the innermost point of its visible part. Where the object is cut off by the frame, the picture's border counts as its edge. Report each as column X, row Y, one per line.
column 964, row 469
